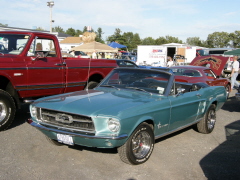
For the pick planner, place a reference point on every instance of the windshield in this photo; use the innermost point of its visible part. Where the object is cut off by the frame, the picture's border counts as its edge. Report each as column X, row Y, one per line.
column 13, row 43
column 137, row 79
column 186, row 72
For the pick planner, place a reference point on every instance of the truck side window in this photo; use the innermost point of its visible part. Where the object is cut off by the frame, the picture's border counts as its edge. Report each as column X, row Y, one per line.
column 45, row 46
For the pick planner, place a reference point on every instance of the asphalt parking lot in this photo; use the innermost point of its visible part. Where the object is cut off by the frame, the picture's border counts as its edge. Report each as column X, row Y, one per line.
column 26, row 154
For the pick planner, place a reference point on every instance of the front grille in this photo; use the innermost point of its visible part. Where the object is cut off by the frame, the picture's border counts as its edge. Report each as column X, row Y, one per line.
column 66, row 121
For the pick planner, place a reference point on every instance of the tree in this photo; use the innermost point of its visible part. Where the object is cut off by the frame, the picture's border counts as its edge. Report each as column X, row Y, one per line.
column 160, row 41
column 171, row 39
column 148, row 41
column 195, row 41
column 99, row 33
column 78, row 33
column 4, row 25
column 58, row 29
column 218, row 40
column 40, row 29
column 117, row 37
column 71, row 31
column 235, row 39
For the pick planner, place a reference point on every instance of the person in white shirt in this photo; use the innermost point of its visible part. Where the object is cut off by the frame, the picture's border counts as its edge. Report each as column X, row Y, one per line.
column 234, row 74
column 94, row 55
column 170, row 62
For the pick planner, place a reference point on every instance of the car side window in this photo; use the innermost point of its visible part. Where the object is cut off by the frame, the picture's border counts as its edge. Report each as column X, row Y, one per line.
column 46, row 47
column 209, row 74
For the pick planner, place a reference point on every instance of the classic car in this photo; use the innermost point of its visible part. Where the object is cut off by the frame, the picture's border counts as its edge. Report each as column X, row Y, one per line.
column 129, row 109
column 194, row 74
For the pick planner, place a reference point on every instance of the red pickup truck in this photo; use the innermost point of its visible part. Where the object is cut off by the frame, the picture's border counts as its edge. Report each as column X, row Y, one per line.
column 31, row 66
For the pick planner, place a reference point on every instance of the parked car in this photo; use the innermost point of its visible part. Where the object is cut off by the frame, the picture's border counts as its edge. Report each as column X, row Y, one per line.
column 129, row 57
column 80, row 54
column 194, row 74
column 157, row 68
column 129, row 110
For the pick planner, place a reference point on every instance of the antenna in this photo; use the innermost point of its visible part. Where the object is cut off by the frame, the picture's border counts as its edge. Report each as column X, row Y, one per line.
column 89, row 66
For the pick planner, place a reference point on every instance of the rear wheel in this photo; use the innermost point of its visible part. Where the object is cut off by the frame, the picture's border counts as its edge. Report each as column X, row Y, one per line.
column 207, row 124
column 139, row 146
column 228, row 89
column 7, row 110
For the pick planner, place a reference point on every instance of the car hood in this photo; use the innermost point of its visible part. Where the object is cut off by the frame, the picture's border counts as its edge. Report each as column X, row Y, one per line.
column 217, row 63
column 107, row 101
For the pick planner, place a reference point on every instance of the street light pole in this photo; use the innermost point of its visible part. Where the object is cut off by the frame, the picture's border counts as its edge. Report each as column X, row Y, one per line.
column 50, row 4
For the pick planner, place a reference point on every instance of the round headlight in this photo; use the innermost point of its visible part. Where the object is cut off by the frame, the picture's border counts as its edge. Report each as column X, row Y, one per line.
column 33, row 111
column 113, row 125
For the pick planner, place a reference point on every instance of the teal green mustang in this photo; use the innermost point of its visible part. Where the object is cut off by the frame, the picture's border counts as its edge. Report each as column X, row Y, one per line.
column 128, row 110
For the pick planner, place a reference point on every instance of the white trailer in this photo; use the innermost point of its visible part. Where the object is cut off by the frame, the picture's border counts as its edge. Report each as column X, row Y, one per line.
column 151, row 55
column 156, row 55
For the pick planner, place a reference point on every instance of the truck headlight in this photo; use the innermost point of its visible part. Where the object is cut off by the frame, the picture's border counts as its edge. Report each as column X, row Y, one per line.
column 113, row 125
column 33, row 111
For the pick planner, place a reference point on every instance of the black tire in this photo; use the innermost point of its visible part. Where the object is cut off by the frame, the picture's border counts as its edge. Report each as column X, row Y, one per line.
column 207, row 124
column 91, row 85
column 7, row 110
column 228, row 89
column 139, row 146
column 54, row 142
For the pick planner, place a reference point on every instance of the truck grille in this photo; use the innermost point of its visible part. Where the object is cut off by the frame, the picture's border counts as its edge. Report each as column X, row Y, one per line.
column 65, row 121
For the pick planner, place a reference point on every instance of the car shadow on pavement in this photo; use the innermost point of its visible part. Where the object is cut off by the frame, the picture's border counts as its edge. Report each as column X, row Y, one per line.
column 232, row 105
column 21, row 116
column 223, row 161
column 93, row 149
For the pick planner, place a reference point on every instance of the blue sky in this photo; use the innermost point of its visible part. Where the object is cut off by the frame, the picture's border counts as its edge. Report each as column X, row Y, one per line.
column 148, row 18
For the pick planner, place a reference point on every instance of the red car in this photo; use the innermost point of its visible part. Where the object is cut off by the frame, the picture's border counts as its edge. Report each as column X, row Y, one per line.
column 194, row 74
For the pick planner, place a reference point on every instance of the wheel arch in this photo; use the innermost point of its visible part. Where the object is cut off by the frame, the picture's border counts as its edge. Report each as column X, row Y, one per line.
column 7, row 86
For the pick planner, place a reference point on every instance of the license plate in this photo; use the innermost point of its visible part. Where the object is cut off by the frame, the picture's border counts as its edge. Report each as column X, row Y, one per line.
column 66, row 139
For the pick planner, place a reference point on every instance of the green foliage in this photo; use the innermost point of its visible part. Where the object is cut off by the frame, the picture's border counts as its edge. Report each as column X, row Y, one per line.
column 148, row 41
column 99, row 34
column 4, row 25
column 71, row 31
column 58, row 29
column 235, row 39
column 218, row 40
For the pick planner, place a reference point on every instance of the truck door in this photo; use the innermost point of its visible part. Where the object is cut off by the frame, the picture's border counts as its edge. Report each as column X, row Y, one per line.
column 45, row 72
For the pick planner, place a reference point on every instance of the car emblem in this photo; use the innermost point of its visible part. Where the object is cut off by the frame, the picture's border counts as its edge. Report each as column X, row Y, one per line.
column 64, row 118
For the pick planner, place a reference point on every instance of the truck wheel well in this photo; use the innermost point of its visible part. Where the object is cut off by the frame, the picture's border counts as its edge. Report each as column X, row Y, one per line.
column 4, row 82
column 7, row 86
column 96, row 78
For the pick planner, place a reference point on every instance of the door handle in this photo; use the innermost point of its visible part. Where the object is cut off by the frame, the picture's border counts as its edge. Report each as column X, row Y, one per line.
column 198, row 95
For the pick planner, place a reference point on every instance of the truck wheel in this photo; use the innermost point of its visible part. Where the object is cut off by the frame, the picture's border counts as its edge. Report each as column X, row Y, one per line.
column 7, row 110
column 207, row 124
column 139, row 146
column 91, row 85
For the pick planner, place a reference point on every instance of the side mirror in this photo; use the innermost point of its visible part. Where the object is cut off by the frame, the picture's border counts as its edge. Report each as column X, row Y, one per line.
column 180, row 91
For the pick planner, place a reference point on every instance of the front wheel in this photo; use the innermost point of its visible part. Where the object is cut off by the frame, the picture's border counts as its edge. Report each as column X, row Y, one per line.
column 7, row 110
column 207, row 124
column 139, row 146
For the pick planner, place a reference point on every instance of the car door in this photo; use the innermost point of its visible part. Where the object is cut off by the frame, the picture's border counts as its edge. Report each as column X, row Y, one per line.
column 45, row 73
column 184, row 109
column 211, row 78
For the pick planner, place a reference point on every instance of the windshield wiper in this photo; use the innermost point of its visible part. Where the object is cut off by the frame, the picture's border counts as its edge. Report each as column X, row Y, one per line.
column 110, row 86
column 139, row 89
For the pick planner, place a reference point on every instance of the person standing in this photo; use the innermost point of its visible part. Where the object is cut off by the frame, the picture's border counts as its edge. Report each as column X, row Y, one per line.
column 94, row 55
column 234, row 74
column 170, row 62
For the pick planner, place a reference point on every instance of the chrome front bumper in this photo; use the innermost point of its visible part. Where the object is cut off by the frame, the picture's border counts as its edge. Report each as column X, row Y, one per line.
column 40, row 127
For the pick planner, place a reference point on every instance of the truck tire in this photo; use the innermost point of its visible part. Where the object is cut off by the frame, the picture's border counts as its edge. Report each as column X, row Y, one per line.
column 7, row 110
column 91, row 85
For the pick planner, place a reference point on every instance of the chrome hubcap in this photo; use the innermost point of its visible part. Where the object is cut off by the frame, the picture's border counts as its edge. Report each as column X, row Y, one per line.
column 211, row 119
column 3, row 111
column 141, row 144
